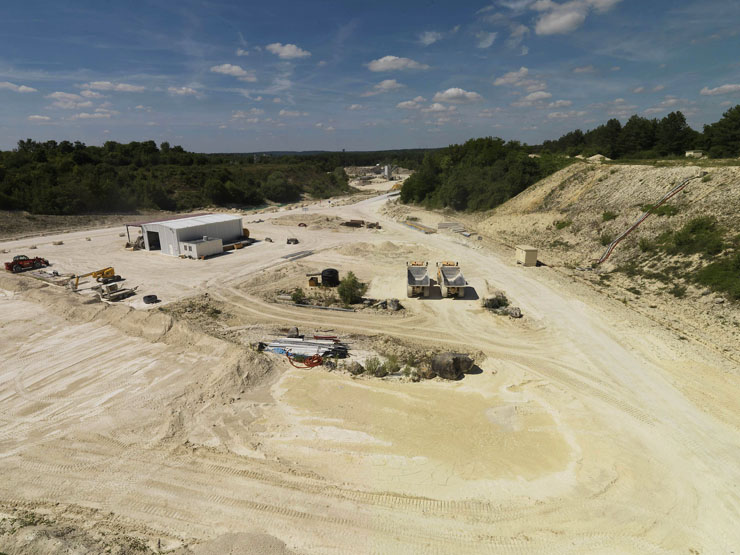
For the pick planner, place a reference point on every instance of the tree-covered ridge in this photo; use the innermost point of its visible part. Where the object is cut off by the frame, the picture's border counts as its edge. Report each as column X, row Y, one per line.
column 72, row 178
column 478, row 175
column 652, row 138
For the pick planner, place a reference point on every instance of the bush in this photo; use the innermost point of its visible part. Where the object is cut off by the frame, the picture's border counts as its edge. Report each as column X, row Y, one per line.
column 562, row 224
column 298, row 296
column 606, row 238
column 391, row 364
column 645, row 244
column 700, row 235
column 721, row 275
column 351, row 289
column 662, row 210
column 608, row 215
column 373, row 367
column 678, row 291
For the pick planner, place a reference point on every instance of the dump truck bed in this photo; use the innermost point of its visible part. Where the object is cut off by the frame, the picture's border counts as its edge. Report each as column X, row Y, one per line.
column 417, row 276
column 452, row 276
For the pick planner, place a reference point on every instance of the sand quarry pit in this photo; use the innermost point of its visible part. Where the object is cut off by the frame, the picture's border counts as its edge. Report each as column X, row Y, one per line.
column 132, row 428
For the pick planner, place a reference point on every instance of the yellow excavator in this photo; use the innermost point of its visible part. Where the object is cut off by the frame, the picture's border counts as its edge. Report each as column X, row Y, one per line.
column 106, row 275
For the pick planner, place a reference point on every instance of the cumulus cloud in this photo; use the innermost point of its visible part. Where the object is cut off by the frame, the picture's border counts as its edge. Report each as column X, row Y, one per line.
column 584, row 69
column 430, row 37
column 512, row 78
column 244, row 114
column 457, row 95
column 489, row 112
column 437, row 107
column 91, row 94
column 668, row 103
column 182, row 91
column 38, row 118
column 411, row 104
column 565, row 115
column 560, row 104
column 532, row 99
column 16, row 88
column 110, row 86
column 658, row 88
column 325, row 127
column 68, row 101
column 638, row 90
column 96, row 115
column 287, row 51
column 241, row 52
column 394, row 63
column 383, row 87
column 566, row 17
column 485, row 39
column 355, row 107
column 235, row 71
column 292, row 113
column 722, row 89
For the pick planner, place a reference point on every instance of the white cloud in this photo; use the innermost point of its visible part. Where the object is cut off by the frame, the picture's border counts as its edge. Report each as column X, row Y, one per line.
column 292, row 113
column 489, row 112
column 669, row 103
column 68, row 101
column 411, row 104
column 143, row 108
column 38, row 118
column 565, row 115
column 96, row 115
column 658, row 88
column 109, row 86
column 182, row 91
column 437, row 107
column 518, row 32
column 532, row 98
column 485, row 39
column 457, row 95
column 325, row 127
column 722, row 89
column 287, row 51
column 355, row 107
column 16, row 88
column 512, row 78
column 568, row 16
column 584, row 69
column 383, row 87
column 242, row 114
column 430, row 37
column 241, row 52
column 394, row 63
column 560, row 104
column 91, row 94
column 638, row 90
column 235, row 71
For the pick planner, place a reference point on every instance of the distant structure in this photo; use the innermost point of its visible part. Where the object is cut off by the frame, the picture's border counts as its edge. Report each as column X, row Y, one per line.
column 694, row 154
column 196, row 235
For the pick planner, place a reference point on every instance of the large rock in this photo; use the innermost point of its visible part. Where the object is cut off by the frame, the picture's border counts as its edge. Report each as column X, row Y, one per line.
column 356, row 368
column 451, row 366
column 394, row 305
column 293, row 333
column 514, row 311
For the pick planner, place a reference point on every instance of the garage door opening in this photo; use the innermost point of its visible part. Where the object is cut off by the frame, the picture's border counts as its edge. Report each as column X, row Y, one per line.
column 152, row 238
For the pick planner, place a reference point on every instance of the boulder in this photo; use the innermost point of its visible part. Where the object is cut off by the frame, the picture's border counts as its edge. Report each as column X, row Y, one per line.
column 514, row 312
column 394, row 305
column 293, row 333
column 330, row 365
column 356, row 368
column 425, row 372
column 451, row 366
column 497, row 300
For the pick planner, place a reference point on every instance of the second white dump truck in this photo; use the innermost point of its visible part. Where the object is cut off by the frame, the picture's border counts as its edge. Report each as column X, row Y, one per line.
column 450, row 279
column 417, row 279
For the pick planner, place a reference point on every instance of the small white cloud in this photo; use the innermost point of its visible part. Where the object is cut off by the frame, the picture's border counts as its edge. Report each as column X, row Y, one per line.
column 143, row 108
column 182, row 91
column 584, row 69
column 16, row 88
column 658, row 88
column 565, row 115
column 38, row 118
column 561, row 21
column 322, row 63
column 394, row 63
column 96, row 115
column 437, row 107
column 430, row 37
column 722, row 89
column 235, row 71
column 287, row 51
column 355, row 107
column 560, row 104
column 110, row 86
column 512, row 78
column 638, row 90
column 242, row 52
column 489, row 112
column 91, row 94
column 532, row 98
column 244, row 114
column 292, row 113
column 383, row 87
column 457, row 95
column 68, row 101
column 485, row 39
column 411, row 104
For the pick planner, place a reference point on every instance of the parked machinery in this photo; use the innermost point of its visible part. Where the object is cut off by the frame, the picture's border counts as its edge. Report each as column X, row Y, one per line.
column 450, row 279
column 106, row 275
column 417, row 279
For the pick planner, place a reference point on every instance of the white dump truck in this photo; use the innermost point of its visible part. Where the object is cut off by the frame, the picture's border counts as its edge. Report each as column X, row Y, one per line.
column 417, row 279
column 450, row 279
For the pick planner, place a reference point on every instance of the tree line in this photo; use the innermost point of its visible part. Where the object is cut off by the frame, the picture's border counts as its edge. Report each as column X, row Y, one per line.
column 477, row 175
column 652, row 138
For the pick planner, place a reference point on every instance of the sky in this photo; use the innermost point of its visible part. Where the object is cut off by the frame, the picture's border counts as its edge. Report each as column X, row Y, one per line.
column 236, row 76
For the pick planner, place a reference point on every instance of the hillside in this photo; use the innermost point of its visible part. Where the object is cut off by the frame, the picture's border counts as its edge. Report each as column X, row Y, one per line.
column 681, row 265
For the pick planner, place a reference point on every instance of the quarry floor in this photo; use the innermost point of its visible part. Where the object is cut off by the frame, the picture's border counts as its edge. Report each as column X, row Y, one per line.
column 591, row 429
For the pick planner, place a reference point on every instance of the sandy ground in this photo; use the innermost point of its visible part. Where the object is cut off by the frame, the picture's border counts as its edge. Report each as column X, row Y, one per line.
column 591, row 429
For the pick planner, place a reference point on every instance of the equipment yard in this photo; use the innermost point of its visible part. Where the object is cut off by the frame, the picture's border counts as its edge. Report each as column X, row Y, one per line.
column 584, row 427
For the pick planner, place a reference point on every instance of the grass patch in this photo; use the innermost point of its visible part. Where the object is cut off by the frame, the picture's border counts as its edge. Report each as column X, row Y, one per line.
column 700, row 235
column 608, row 215
column 560, row 243
column 721, row 275
column 666, row 210
column 562, row 224
column 634, row 291
column 606, row 238
column 678, row 291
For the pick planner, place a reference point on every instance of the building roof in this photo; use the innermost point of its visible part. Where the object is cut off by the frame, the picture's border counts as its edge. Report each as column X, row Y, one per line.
column 165, row 219
column 194, row 221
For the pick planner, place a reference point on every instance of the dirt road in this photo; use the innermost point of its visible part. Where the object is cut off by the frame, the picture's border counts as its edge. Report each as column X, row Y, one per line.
column 589, row 430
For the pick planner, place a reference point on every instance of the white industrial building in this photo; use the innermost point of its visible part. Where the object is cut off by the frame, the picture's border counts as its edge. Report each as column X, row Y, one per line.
column 202, row 231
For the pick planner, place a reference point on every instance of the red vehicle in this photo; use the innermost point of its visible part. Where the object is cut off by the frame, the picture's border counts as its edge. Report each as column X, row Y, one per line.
column 22, row 262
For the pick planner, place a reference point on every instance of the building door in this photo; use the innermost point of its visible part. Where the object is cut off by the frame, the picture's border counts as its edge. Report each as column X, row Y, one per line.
column 152, row 238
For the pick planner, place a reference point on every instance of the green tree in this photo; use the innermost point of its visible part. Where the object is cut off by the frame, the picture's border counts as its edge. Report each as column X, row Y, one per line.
column 351, row 289
column 722, row 138
column 673, row 134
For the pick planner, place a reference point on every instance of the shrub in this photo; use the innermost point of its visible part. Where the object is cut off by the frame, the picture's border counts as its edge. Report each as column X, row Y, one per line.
column 373, row 367
column 391, row 364
column 706, row 178
column 608, row 215
column 645, row 244
column 700, row 235
column 721, row 275
column 678, row 291
column 606, row 238
column 662, row 210
column 562, row 224
column 351, row 289
column 298, row 296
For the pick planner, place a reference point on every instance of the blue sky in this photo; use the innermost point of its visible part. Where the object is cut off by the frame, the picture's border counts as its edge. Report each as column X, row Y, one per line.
column 301, row 75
